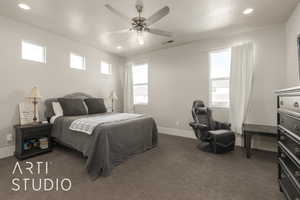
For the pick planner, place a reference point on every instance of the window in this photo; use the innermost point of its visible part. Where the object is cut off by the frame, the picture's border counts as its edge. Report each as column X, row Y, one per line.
column 219, row 77
column 140, row 84
column 77, row 61
column 105, row 68
column 33, row 52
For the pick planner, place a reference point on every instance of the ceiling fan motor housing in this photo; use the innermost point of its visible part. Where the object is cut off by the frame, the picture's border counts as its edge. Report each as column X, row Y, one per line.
column 139, row 24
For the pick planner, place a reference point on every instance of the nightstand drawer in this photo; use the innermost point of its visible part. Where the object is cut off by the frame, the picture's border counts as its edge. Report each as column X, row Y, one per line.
column 41, row 132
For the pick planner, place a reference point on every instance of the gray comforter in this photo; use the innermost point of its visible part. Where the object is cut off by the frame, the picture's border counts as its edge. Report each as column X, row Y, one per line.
column 110, row 144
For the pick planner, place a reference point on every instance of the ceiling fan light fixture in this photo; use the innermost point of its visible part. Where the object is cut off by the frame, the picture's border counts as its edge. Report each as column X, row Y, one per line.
column 140, row 38
column 248, row 11
column 24, row 6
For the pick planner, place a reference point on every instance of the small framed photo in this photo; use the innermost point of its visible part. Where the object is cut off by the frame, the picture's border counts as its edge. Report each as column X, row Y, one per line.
column 26, row 110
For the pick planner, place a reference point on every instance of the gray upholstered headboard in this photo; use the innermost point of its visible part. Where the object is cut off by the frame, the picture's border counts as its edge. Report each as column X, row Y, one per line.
column 48, row 102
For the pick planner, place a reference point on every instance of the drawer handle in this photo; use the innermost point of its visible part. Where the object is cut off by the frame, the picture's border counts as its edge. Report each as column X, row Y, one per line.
column 296, row 127
column 297, row 151
column 282, row 138
column 297, row 173
column 296, row 104
column 281, row 102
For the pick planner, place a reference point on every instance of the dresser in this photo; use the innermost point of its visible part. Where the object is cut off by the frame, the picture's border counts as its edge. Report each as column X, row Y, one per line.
column 288, row 120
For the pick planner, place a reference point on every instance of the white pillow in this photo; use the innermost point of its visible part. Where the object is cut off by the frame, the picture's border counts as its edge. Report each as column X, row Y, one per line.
column 58, row 111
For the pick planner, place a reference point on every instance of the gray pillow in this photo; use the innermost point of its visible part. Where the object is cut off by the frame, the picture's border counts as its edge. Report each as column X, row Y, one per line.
column 95, row 105
column 73, row 107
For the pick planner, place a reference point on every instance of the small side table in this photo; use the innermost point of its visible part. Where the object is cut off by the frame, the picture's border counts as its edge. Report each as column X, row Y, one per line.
column 254, row 129
column 32, row 140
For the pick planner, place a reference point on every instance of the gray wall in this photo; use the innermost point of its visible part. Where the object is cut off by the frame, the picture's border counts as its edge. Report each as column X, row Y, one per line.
column 292, row 66
column 179, row 75
column 54, row 78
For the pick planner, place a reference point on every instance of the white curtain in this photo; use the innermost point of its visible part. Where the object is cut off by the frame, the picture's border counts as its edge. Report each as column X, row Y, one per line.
column 241, row 78
column 128, row 90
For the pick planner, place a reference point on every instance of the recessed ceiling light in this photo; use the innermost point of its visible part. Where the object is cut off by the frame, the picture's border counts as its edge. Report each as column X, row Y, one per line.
column 248, row 11
column 24, row 6
column 119, row 47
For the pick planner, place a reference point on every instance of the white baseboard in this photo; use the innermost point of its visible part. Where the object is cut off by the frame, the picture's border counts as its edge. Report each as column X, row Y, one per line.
column 7, row 151
column 177, row 132
column 191, row 134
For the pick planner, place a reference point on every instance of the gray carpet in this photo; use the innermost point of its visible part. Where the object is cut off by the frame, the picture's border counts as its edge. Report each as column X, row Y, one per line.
column 175, row 170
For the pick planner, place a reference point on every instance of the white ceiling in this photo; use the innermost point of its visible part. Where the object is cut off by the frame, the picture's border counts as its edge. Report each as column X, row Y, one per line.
column 88, row 20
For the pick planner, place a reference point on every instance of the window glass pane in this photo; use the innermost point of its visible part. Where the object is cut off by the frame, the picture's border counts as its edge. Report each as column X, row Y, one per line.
column 220, row 93
column 33, row 52
column 220, row 63
column 140, row 93
column 77, row 61
column 140, row 74
column 105, row 68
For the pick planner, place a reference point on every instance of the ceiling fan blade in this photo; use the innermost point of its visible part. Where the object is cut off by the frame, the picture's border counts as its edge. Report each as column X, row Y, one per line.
column 119, row 31
column 158, row 15
column 159, row 32
column 123, row 16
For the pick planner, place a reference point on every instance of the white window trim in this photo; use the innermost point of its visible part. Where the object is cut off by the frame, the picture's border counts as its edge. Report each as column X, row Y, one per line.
column 141, row 84
column 84, row 62
column 34, row 43
column 212, row 79
column 110, row 68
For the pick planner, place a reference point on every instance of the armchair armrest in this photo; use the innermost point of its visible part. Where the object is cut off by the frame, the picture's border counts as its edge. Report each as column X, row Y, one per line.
column 222, row 125
column 200, row 126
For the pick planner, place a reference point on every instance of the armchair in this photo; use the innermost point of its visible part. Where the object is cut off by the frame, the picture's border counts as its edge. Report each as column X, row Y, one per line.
column 217, row 134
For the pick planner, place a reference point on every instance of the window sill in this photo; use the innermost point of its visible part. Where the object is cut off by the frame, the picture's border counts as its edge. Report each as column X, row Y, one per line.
column 219, row 107
column 141, row 104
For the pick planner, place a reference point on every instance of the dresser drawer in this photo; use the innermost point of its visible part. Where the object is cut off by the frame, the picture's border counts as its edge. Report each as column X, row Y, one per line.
column 290, row 103
column 287, row 161
column 289, row 189
column 290, row 122
column 289, row 143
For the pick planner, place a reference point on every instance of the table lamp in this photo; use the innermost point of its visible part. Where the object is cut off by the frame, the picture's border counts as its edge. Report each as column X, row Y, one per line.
column 34, row 97
column 113, row 96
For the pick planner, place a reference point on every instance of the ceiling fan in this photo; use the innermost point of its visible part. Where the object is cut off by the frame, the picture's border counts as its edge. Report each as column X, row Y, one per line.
column 141, row 24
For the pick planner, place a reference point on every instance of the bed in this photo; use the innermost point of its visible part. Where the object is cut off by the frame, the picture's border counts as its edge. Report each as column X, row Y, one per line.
column 110, row 143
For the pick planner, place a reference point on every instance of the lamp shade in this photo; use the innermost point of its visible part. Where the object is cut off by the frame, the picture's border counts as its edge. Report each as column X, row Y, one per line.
column 113, row 95
column 35, row 93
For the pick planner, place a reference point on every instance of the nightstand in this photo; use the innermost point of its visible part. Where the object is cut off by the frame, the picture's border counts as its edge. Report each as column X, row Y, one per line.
column 32, row 140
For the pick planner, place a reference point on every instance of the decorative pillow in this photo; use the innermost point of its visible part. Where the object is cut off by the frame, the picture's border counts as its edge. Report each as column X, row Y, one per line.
column 73, row 107
column 95, row 105
column 58, row 111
